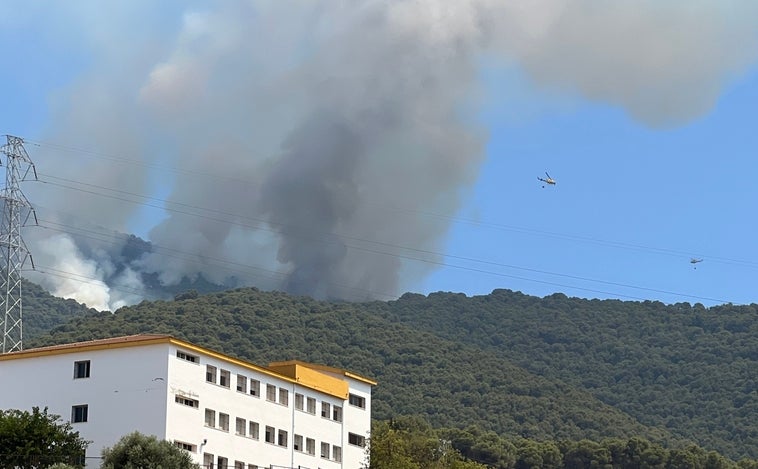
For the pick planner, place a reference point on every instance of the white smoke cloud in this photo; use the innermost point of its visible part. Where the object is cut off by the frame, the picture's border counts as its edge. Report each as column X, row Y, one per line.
column 664, row 62
column 129, row 289
column 71, row 275
column 313, row 122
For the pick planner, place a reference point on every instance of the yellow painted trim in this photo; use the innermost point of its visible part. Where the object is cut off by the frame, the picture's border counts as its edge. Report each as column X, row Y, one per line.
column 235, row 361
column 313, row 379
column 304, row 374
column 360, row 378
column 31, row 353
column 326, row 368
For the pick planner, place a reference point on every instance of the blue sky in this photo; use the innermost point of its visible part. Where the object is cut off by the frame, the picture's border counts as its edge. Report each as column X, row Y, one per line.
column 635, row 200
column 632, row 205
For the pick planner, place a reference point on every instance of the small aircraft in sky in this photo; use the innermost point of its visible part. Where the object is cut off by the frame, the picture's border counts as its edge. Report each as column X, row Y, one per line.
column 549, row 180
column 694, row 261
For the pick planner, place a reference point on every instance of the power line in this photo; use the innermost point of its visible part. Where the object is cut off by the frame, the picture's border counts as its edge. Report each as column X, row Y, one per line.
column 262, row 223
column 84, row 279
column 298, row 229
column 191, row 257
column 132, row 161
column 401, row 256
column 505, row 227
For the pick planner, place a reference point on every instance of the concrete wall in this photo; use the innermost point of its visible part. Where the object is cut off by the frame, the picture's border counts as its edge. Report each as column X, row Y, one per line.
column 125, row 391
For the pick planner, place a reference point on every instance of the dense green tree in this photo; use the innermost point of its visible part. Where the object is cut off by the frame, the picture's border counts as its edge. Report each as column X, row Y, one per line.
column 138, row 451
column 532, row 454
column 188, row 295
column 585, row 454
column 485, row 447
column 528, row 456
column 36, row 439
column 409, row 443
column 639, row 453
column 714, row 460
column 680, row 458
column 388, row 448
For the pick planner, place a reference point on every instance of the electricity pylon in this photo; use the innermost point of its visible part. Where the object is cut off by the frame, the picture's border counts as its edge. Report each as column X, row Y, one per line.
column 13, row 251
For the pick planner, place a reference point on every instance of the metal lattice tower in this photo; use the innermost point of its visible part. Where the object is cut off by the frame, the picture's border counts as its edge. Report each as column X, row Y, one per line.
column 16, row 212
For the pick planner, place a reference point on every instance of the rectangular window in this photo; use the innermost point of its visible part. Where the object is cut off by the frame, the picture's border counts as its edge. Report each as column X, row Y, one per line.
column 81, row 369
column 269, row 434
column 210, row 418
column 242, row 383
column 252, row 466
column 337, row 453
column 239, row 465
column 241, row 426
column 187, row 401
column 223, row 422
column 357, row 401
column 185, row 446
column 207, row 461
column 356, row 440
column 298, row 443
column 325, row 410
column 210, row 374
column 284, row 397
column 282, row 438
column 187, row 357
column 310, row 446
column 337, row 414
column 325, row 450
column 223, row 463
column 79, row 413
column 299, row 401
column 255, row 388
column 311, row 406
column 224, row 378
column 254, row 430
column 271, row 393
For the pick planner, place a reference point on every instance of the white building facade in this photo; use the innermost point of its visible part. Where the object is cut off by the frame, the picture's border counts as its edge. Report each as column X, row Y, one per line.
column 226, row 412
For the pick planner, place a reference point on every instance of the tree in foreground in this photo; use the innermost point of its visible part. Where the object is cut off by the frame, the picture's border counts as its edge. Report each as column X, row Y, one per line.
column 409, row 443
column 38, row 440
column 138, row 451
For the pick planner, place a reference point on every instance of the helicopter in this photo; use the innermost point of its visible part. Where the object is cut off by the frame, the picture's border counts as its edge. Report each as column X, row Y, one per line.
column 549, row 180
column 694, row 262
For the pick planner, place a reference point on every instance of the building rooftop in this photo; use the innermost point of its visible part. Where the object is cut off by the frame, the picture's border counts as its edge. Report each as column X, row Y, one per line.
column 317, row 377
column 291, row 368
column 97, row 344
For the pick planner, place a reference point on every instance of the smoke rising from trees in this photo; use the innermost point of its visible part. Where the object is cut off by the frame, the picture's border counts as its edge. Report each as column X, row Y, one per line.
column 307, row 137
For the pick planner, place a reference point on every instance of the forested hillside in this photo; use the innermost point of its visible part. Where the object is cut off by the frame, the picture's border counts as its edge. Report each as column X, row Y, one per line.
column 42, row 311
column 419, row 373
column 553, row 368
column 686, row 368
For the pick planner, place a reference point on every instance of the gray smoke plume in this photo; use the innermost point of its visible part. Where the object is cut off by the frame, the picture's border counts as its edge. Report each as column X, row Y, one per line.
column 301, row 140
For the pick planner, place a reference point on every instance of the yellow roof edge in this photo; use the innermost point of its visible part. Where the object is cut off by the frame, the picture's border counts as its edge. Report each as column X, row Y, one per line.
column 152, row 339
column 228, row 358
column 251, row 366
column 97, row 344
column 313, row 366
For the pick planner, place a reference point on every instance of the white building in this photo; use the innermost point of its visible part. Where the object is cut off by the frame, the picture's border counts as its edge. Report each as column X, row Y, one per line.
column 226, row 412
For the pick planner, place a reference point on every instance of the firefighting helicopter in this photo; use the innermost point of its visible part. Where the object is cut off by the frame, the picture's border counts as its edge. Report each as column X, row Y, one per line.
column 549, row 180
column 694, row 261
